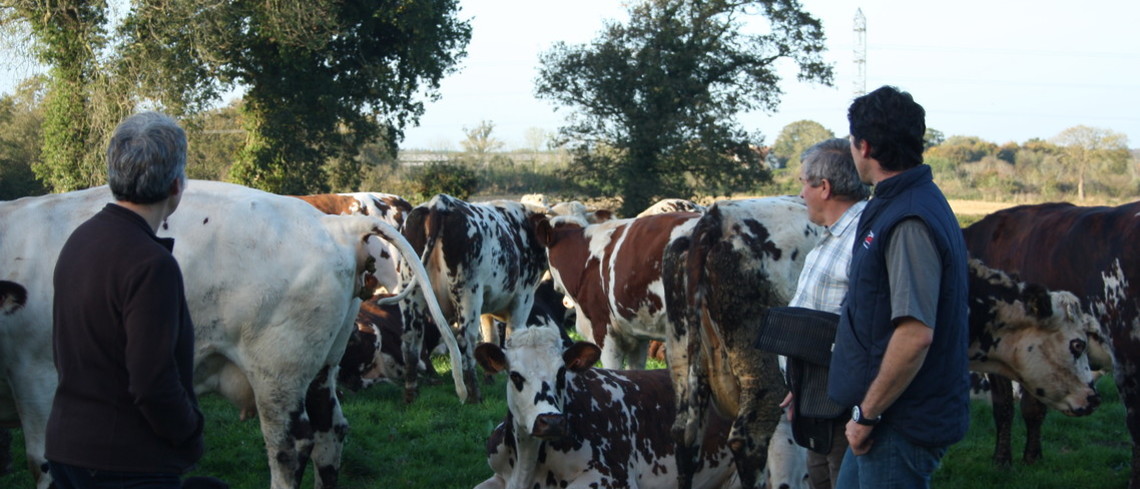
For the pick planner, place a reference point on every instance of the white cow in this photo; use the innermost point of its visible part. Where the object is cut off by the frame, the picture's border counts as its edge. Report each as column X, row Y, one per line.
column 273, row 288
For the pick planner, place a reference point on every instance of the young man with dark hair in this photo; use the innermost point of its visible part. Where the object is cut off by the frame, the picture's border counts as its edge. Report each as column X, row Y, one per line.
column 900, row 353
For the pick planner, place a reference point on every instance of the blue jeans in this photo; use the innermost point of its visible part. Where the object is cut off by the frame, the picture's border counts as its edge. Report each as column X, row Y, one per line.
column 72, row 477
column 892, row 462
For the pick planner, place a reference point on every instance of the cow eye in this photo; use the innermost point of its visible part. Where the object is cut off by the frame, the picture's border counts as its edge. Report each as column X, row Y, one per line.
column 517, row 380
column 1077, row 347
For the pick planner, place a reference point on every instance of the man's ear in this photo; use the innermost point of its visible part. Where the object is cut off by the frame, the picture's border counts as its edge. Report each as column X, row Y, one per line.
column 825, row 188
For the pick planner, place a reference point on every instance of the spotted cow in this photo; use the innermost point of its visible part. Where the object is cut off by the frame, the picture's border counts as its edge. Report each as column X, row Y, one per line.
column 482, row 259
column 570, row 426
column 1040, row 338
column 1092, row 252
column 272, row 284
column 612, row 272
column 741, row 258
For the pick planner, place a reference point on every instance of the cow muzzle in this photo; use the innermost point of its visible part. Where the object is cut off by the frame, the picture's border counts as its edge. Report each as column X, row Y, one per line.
column 549, row 426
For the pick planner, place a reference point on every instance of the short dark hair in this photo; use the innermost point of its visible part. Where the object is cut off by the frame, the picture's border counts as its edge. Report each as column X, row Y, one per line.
column 894, row 125
column 831, row 159
column 147, row 153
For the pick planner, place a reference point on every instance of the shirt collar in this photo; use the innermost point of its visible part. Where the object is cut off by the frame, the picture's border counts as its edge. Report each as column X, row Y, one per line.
column 848, row 219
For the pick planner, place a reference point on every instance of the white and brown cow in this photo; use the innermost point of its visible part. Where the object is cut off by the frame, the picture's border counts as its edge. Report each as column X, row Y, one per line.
column 612, row 272
column 570, row 426
column 273, row 288
column 389, row 208
column 482, row 259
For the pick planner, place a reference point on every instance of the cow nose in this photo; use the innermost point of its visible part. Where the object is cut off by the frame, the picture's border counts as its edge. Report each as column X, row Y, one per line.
column 549, row 426
column 1093, row 402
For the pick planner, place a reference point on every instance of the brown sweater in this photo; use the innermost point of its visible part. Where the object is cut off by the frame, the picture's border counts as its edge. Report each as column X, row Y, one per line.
column 124, row 348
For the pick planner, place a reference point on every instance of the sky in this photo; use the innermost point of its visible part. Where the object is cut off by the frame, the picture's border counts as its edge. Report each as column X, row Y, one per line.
column 1001, row 70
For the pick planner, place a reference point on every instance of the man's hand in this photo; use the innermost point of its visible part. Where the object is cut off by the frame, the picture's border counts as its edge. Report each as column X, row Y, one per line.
column 859, row 437
column 786, row 405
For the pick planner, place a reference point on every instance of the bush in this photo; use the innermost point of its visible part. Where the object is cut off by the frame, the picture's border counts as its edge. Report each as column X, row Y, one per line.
column 444, row 178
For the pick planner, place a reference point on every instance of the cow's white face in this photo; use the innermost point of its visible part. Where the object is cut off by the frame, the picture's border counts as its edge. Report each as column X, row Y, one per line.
column 537, row 367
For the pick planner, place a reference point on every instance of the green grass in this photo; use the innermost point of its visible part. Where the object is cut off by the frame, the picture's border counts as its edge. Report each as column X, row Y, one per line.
column 439, row 443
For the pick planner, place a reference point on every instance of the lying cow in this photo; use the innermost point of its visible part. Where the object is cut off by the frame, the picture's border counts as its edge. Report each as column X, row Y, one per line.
column 1090, row 251
column 612, row 272
column 272, row 284
column 482, row 259
column 570, row 426
column 374, row 355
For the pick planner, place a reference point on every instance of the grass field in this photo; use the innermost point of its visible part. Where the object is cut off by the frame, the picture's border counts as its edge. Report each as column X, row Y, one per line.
column 438, row 443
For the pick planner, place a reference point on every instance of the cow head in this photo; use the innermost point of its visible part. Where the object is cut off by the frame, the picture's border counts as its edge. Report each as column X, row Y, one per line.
column 538, row 367
column 1037, row 337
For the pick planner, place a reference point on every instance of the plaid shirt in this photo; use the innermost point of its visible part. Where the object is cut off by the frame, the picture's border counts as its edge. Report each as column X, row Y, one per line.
column 823, row 282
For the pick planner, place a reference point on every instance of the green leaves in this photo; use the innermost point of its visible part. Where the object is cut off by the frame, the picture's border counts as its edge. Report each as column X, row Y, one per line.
column 655, row 100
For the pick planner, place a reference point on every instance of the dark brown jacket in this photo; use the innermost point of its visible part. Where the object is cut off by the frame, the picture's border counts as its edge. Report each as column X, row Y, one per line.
column 124, row 347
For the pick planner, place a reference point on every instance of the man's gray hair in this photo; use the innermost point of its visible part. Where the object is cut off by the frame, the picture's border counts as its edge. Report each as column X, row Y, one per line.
column 832, row 160
column 147, row 153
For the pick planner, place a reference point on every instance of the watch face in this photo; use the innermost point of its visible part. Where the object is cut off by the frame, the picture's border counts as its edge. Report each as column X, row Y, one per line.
column 856, row 414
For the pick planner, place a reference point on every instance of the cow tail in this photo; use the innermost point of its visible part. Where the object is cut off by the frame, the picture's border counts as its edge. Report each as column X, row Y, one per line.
column 389, row 233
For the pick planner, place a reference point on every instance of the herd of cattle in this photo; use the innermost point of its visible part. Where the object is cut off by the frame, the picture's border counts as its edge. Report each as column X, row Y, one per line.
column 293, row 295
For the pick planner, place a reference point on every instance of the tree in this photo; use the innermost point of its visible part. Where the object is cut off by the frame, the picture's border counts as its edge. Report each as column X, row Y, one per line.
column 933, row 137
column 479, row 144
column 655, row 101
column 1087, row 150
column 795, row 138
column 963, row 149
column 82, row 103
column 21, row 139
column 321, row 77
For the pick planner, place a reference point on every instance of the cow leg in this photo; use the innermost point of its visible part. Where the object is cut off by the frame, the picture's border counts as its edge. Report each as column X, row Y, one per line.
column 693, row 397
column 755, row 423
column 1129, row 388
column 329, row 427
column 5, row 451
column 1001, row 395
column 1033, row 413
column 613, row 357
column 33, row 392
column 468, row 338
column 412, row 343
column 287, row 430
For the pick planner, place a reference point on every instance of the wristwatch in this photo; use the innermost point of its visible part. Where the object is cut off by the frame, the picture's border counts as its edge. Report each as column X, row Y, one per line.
column 857, row 416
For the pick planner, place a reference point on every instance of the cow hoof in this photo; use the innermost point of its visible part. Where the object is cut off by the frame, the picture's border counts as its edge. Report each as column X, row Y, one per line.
column 410, row 396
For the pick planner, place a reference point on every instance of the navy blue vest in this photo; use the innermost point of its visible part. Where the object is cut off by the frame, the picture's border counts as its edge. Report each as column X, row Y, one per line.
column 934, row 410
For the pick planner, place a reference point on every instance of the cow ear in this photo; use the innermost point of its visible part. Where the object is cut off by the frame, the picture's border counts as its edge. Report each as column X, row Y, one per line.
column 581, row 356
column 543, row 231
column 1038, row 303
column 602, row 215
column 491, row 357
